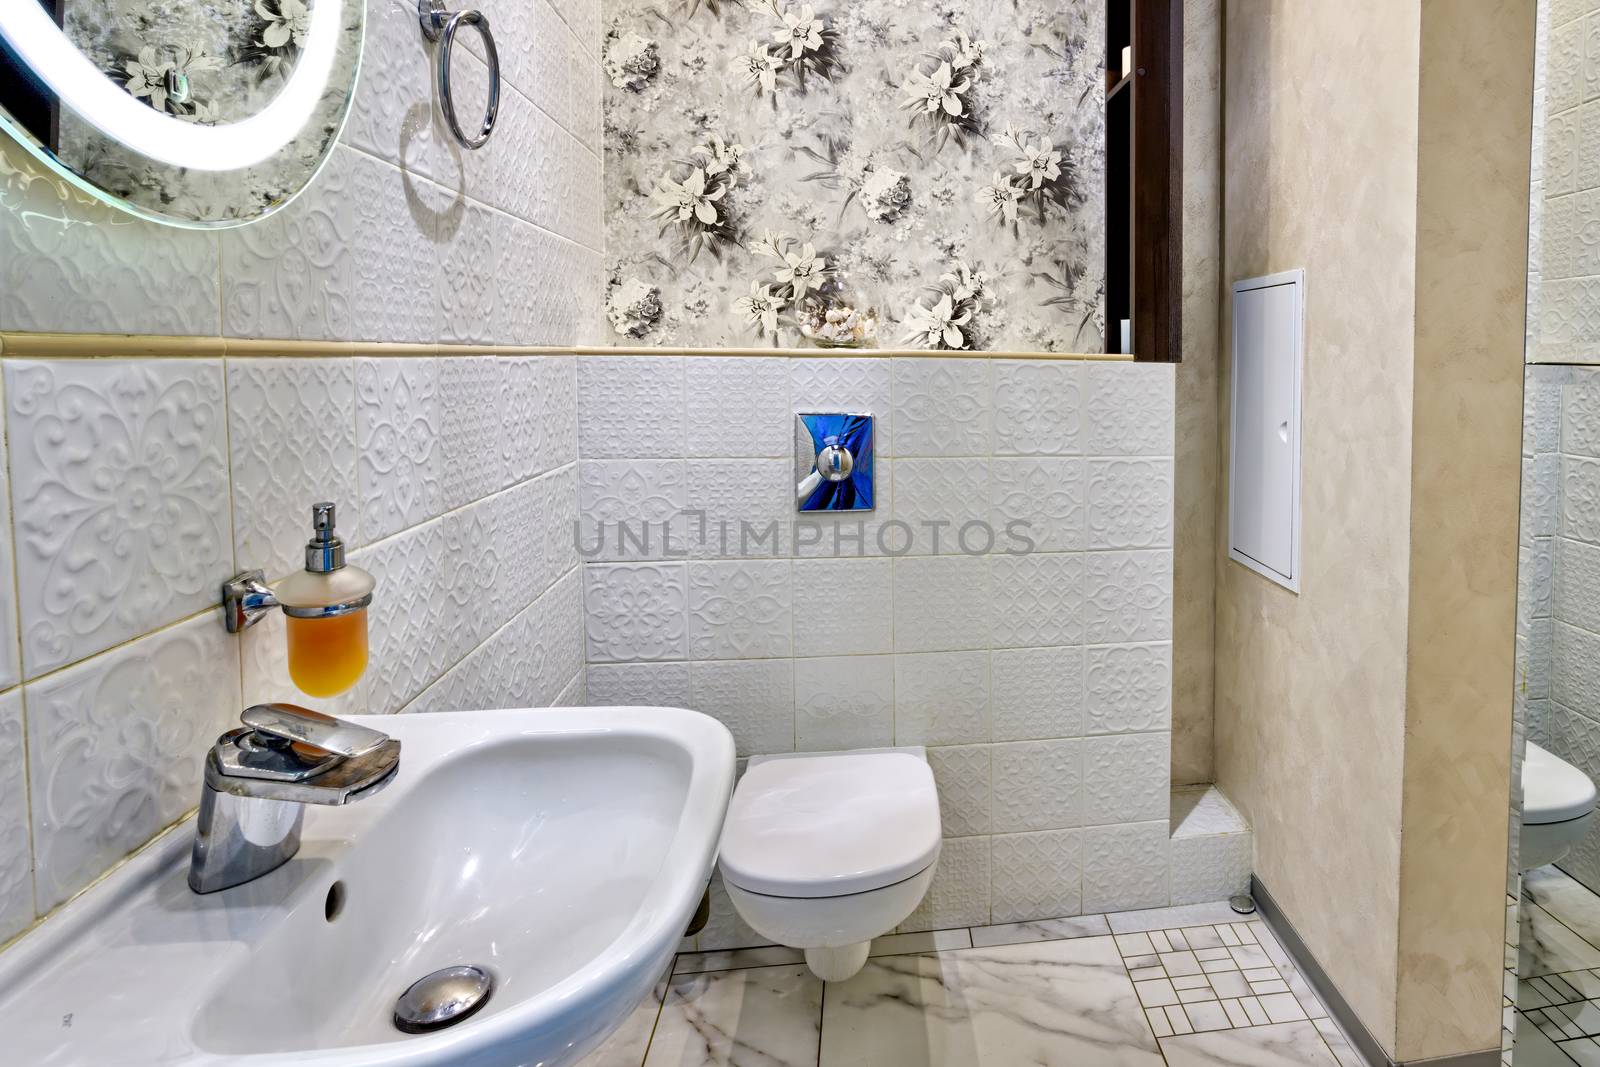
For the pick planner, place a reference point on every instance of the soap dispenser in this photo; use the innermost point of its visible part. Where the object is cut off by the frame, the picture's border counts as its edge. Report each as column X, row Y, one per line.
column 326, row 605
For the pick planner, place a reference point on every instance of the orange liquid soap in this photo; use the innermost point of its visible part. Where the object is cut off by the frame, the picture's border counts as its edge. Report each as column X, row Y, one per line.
column 327, row 656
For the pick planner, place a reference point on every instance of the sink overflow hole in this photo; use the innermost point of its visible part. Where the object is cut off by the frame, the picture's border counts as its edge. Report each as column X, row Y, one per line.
column 334, row 904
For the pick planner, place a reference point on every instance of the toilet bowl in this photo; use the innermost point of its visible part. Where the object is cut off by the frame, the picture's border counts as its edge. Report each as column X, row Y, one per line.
column 826, row 851
column 1557, row 807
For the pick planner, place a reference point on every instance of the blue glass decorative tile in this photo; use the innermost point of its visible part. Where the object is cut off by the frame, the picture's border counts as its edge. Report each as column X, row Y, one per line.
column 844, row 443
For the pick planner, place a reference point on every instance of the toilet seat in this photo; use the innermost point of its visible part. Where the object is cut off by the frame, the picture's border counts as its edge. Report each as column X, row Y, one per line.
column 1553, row 790
column 831, row 825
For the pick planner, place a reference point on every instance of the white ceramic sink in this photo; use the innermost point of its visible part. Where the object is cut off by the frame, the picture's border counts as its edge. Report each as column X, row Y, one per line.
column 564, row 850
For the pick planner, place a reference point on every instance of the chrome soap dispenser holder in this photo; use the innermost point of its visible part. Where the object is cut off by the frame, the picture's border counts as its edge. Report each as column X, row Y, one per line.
column 246, row 597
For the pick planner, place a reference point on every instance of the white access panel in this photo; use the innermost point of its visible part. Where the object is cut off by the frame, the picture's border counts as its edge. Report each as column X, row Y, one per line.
column 1264, row 474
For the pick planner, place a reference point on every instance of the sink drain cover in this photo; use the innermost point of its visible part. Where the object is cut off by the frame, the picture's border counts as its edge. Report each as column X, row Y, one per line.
column 442, row 999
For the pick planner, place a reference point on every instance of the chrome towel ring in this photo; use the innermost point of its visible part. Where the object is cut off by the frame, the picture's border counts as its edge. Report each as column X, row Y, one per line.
column 441, row 25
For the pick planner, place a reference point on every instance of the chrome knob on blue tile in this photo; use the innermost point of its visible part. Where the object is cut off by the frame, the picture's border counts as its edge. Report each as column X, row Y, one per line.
column 833, row 461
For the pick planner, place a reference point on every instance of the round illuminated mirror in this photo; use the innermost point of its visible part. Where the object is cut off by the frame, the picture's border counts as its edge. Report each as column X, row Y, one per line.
column 199, row 113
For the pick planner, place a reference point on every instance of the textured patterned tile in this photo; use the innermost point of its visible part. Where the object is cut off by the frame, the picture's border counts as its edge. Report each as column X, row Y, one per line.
column 1129, row 409
column 739, row 507
column 1210, row 867
column 738, row 408
column 739, row 609
column 291, row 432
column 1035, row 876
column 1038, row 785
column 858, row 385
column 1037, row 600
column 1129, row 503
column 472, row 405
column 961, row 775
column 1202, row 809
column 941, row 603
column 959, row 894
column 1577, row 583
column 631, row 407
column 1125, row 867
column 632, row 509
column 1127, row 597
column 1126, row 777
column 120, row 488
column 1037, row 692
column 663, row 685
column 943, row 504
column 1578, row 420
column 636, row 611
column 1541, row 497
column 401, row 463
column 558, row 386
column 843, row 702
column 941, row 407
column 941, row 698
column 16, row 851
column 842, row 606
column 473, row 244
column 1575, row 679
column 10, row 663
column 754, row 699
column 1038, row 407
column 1580, row 499
column 1127, row 688
column 394, row 247
column 1040, row 499
column 116, row 744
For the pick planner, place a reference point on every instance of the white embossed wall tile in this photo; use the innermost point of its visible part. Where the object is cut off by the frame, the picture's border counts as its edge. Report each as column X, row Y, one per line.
column 557, row 503
column 120, row 499
column 1535, row 592
column 754, row 699
column 631, row 407
column 941, row 603
column 1580, row 498
column 69, row 264
column 1036, row 875
column 1541, row 496
column 526, row 308
column 852, row 385
column 291, row 274
column 1038, row 408
column 740, row 609
column 636, row 612
column 661, row 685
column 392, row 115
column 632, row 509
column 1128, row 410
column 1127, row 597
column 941, row 698
column 959, row 893
column 1577, row 577
column 470, row 282
column 944, row 504
column 520, row 543
column 520, row 403
column 1560, row 175
column 1540, row 649
column 1126, row 778
column 1575, row 674
column 1037, row 693
column 842, row 607
column 472, row 397
column 1130, row 503
column 961, row 774
column 1127, row 688
column 264, row 672
column 1125, row 867
column 738, row 408
column 401, row 461
column 1211, row 867
column 1579, row 416
column 843, row 702
column 409, row 619
column 393, row 265
column 480, row 581
column 942, row 407
column 116, row 746
column 739, row 507
column 1037, row 504
column 1038, row 785
column 16, row 849
column 557, row 622
column 1037, row 599
column 558, row 384
column 292, row 436
column 10, row 653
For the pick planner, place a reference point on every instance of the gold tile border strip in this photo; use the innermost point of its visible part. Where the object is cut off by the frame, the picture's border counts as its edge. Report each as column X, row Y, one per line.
column 22, row 345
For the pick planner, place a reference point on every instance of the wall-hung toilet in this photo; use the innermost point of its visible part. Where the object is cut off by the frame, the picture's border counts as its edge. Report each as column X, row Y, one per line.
column 825, row 852
column 1557, row 807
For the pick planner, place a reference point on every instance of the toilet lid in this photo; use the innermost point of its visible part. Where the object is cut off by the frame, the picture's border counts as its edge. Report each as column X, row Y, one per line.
column 1553, row 790
column 831, row 825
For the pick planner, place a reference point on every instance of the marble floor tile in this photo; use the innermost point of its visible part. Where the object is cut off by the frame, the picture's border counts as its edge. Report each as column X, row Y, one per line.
column 1280, row 1045
column 1067, row 1001
column 760, row 1017
column 1533, row 1049
column 922, row 941
column 1546, row 946
column 1568, row 899
column 1039, row 930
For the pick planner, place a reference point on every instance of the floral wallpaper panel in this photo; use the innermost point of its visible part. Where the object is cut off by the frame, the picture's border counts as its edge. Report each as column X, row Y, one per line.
column 891, row 173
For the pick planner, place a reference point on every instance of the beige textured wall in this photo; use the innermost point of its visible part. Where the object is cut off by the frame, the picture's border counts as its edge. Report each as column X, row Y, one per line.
column 1475, row 127
column 1320, row 135
column 1195, row 484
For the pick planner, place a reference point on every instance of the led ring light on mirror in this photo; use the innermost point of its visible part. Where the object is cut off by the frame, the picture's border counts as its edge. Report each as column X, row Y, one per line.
column 293, row 62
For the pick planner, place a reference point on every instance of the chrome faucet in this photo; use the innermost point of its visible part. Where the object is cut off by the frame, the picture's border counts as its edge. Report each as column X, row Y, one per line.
column 259, row 779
